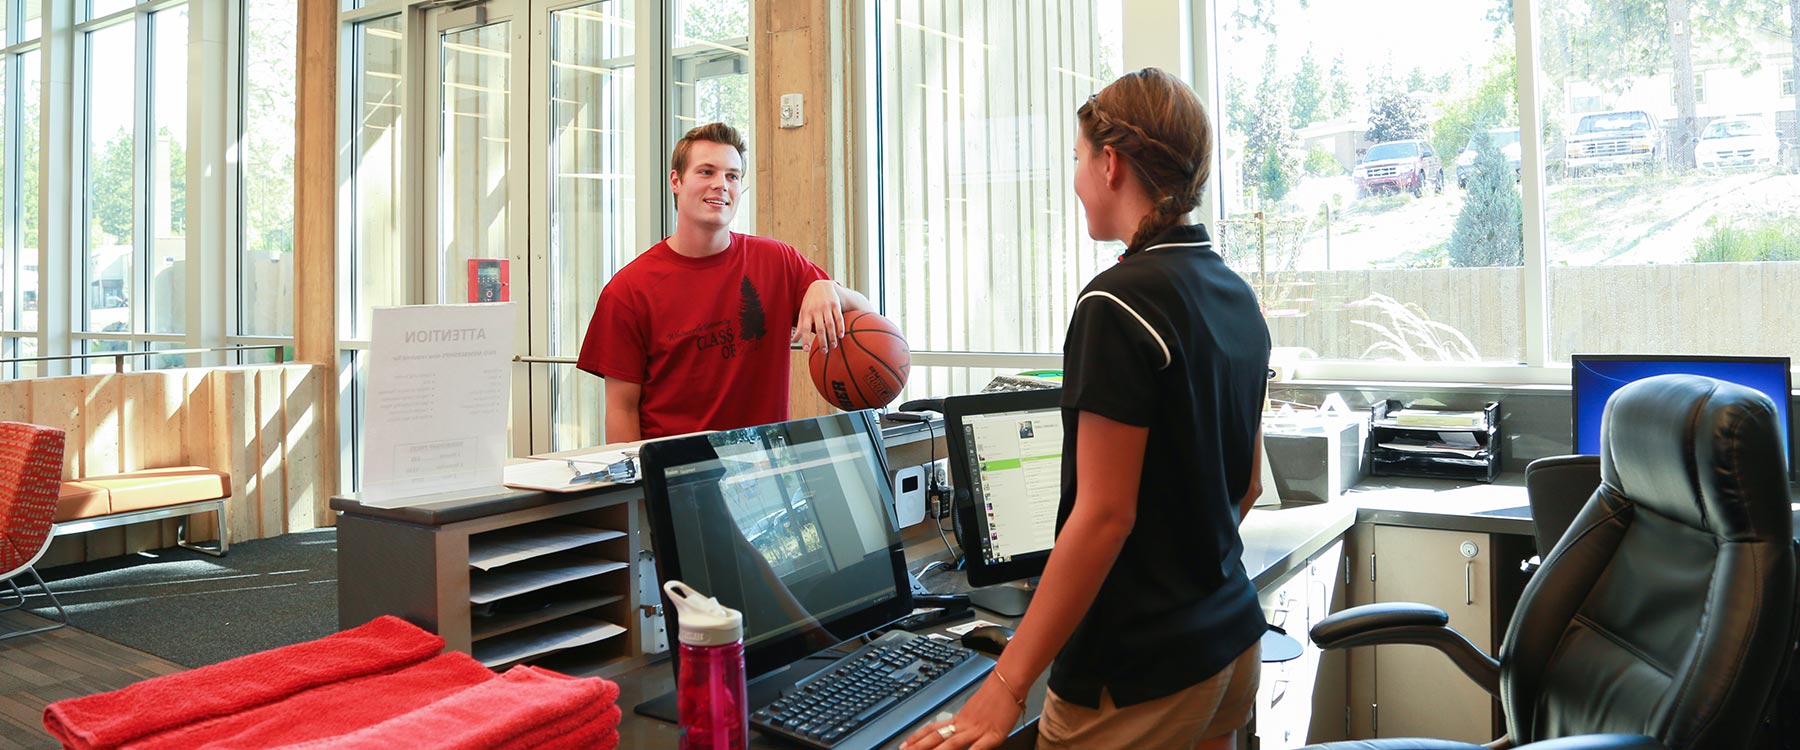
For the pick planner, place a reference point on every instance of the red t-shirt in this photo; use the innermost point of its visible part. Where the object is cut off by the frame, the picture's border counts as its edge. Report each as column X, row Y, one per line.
column 707, row 338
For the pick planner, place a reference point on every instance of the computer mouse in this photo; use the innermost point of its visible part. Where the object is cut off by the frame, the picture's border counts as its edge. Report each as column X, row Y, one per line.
column 988, row 639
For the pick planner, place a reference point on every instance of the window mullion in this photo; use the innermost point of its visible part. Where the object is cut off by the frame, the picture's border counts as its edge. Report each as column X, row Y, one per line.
column 1531, row 183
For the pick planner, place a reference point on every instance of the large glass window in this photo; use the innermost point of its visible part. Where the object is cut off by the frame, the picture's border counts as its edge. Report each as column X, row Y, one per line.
column 25, row 221
column 710, row 78
column 593, row 192
column 1673, row 212
column 982, row 243
column 167, row 261
column 475, row 208
column 378, row 257
column 111, row 180
column 266, row 264
column 131, row 259
column 1369, row 179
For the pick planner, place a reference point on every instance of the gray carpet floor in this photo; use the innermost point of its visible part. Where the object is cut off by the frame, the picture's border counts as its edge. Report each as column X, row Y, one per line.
column 195, row 610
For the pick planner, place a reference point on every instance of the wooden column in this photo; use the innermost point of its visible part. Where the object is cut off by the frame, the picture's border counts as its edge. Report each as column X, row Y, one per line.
column 315, row 215
column 800, row 174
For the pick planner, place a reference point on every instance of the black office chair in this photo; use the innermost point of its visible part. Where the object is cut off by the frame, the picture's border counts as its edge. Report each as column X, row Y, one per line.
column 1557, row 487
column 1664, row 618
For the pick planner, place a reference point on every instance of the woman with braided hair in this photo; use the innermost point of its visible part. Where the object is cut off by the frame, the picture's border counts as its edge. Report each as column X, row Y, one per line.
column 1144, row 603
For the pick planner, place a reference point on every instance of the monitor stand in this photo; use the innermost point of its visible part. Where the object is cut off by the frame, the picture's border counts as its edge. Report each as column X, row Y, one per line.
column 761, row 691
column 1006, row 599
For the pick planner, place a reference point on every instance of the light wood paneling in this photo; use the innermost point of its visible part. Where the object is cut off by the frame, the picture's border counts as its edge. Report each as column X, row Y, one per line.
column 307, row 501
column 271, row 432
column 260, row 424
column 104, row 416
column 233, row 388
column 204, row 445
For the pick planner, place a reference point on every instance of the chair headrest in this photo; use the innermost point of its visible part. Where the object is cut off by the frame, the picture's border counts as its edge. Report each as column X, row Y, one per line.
column 1702, row 451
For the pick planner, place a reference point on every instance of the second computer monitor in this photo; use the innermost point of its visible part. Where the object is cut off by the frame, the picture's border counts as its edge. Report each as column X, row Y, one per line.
column 1006, row 463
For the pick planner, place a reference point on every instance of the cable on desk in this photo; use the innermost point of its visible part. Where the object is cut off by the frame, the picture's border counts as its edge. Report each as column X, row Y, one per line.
column 931, row 485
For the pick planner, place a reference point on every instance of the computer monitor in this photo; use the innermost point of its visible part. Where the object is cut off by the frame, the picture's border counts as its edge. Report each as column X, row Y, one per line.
column 1006, row 464
column 1596, row 376
column 791, row 524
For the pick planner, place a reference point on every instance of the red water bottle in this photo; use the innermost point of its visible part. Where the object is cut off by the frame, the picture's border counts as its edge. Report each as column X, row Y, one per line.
column 709, row 692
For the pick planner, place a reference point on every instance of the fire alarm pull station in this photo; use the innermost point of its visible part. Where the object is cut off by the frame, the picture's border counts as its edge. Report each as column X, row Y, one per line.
column 488, row 280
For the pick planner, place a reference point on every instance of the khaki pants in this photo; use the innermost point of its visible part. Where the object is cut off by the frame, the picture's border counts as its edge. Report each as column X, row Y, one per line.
column 1218, row 706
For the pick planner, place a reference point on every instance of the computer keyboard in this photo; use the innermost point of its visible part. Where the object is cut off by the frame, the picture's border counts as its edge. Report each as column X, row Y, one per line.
column 872, row 693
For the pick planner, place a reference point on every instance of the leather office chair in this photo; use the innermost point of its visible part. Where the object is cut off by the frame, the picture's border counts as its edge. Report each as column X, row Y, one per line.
column 31, row 467
column 1664, row 618
column 1557, row 487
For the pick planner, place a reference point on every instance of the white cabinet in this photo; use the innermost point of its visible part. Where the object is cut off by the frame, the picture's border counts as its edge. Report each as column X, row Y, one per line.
column 1289, row 699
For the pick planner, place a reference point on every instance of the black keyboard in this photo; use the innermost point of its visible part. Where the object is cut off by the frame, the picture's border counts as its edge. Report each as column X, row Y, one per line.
column 872, row 693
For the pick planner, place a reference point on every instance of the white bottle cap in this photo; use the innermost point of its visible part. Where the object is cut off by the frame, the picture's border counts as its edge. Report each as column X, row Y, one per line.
column 702, row 619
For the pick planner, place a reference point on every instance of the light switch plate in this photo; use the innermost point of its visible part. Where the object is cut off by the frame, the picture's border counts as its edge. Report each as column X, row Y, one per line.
column 793, row 113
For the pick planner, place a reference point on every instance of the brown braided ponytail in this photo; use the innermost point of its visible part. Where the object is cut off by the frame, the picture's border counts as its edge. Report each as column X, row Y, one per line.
column 1157, row 123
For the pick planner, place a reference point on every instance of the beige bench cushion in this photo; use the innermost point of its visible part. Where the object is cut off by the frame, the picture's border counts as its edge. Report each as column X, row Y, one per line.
column 82, row 500
column 157, row 488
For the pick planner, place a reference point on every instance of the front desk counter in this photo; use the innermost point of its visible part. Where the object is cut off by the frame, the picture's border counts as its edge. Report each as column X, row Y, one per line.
column 1278, row 541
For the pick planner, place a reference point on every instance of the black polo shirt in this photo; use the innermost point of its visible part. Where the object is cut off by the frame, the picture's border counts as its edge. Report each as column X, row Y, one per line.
column 1172, row 340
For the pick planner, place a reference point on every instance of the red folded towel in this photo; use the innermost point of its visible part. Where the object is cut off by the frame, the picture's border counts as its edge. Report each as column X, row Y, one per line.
column 328, row 710
column 109, row 720
column 525, row 709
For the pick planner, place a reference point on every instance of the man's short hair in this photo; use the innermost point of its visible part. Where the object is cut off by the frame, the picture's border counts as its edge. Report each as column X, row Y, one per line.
column 717, row 132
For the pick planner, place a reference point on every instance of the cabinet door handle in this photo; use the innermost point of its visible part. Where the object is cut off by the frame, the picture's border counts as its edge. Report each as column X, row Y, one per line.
column 1469, row 582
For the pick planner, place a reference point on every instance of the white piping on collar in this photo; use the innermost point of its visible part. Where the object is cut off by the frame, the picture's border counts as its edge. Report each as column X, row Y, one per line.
column 1207, row 243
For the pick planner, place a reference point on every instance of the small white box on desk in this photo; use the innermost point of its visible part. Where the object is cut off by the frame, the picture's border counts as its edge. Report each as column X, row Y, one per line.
column 1315, row 460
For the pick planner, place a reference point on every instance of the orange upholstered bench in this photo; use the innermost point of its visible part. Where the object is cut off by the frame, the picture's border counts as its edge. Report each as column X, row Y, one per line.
column 91, row 503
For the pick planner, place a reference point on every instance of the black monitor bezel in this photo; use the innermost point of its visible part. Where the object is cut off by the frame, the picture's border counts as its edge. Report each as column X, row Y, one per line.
column 968, row 528
column 1575, row 361
column 770, row 656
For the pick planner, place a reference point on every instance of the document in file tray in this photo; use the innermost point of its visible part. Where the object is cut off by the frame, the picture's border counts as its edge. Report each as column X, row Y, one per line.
column 1459, row 443
column 1426, row 418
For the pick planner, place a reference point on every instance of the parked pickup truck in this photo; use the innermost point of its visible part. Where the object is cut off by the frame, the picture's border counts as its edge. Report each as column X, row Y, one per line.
column 1614, row 140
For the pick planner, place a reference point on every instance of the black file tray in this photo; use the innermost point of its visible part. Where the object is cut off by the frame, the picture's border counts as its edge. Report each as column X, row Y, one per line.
column 1483, row 466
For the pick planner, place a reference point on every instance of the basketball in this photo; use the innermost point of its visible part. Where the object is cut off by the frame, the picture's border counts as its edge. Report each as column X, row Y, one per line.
column 867, row 368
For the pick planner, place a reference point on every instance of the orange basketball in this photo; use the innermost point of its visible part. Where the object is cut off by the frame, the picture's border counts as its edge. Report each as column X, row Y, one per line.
column 867, row 368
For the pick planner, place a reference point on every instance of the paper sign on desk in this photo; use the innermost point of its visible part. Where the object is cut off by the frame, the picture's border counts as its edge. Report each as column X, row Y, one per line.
column 440, row 387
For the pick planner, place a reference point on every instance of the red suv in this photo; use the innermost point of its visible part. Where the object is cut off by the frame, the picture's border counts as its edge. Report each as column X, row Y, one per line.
column 1399, row 165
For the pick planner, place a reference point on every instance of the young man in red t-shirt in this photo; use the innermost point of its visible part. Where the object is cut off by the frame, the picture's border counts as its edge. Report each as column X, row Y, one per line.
column 686, row 335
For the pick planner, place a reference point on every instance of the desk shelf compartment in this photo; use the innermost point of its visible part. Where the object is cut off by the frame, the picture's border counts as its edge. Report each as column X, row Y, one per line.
column 1417, row 459
column 523, row 578
column 564, row 604
column 547, row 638
column 521, row 543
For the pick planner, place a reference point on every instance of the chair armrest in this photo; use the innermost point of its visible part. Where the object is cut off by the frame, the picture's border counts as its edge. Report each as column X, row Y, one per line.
column 1405, row 622
column 1598, row 742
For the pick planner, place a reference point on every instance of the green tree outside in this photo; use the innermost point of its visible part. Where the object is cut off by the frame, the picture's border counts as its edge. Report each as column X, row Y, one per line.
column 1488, row 231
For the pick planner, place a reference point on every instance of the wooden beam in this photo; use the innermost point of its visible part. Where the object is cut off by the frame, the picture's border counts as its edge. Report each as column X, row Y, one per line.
column 315, row 218
column 790, row 46
column 315, row 189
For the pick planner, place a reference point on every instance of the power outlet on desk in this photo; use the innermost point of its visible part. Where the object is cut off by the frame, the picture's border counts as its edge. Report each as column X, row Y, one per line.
column 655, row 631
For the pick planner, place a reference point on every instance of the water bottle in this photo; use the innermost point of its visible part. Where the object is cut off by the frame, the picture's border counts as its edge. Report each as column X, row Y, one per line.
column 709, row 692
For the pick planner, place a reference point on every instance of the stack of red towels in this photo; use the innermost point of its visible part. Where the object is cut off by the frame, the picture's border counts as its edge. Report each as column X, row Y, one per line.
column 382, row 685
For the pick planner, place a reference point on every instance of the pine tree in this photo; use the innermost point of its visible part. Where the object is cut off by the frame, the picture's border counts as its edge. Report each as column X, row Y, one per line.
column 1309, row 92
column 750, row 313
column 1396, row 116
column 1488, row 231
column 1270, row 161
column 1338, row 103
